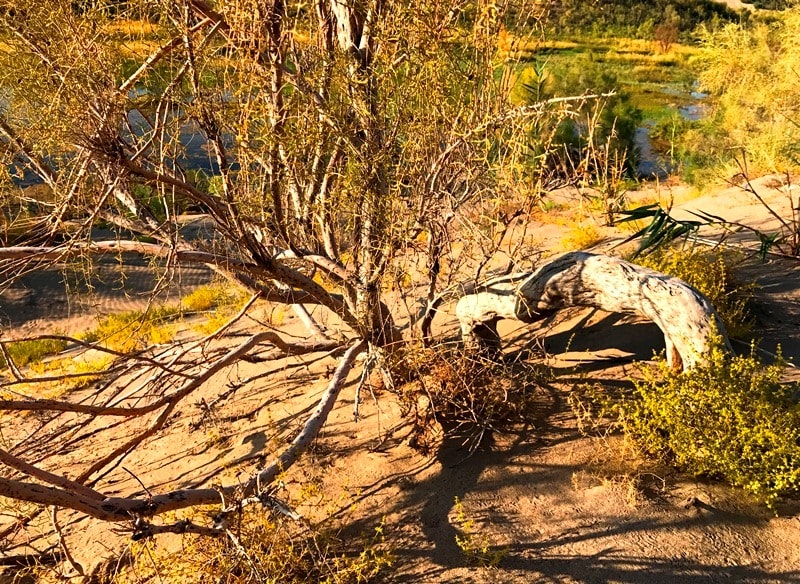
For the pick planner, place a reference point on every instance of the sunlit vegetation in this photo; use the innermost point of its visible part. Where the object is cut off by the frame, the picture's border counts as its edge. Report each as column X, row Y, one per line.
column 729, row 419
column 712, row 273
column 134, row 330
column 751, row 71
column 372, row 167
column 24, row 353
column 629, row 18
column 266, row 549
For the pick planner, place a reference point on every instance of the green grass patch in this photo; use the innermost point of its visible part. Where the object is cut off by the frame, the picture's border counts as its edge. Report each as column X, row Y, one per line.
column 25, row 353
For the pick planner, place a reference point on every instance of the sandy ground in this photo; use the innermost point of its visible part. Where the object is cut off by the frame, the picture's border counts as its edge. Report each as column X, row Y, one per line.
column 555, row 505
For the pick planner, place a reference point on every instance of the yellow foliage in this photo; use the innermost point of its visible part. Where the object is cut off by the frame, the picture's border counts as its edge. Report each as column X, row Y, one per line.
column 264, row 549
column 476, row 546
column 213, row 296
column 133, row 330
column 752, row 72
column 581, row 236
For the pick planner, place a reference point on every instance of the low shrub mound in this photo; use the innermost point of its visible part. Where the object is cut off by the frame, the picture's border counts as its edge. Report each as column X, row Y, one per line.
column 729, row 419
column 33, row 351
column 260, row 549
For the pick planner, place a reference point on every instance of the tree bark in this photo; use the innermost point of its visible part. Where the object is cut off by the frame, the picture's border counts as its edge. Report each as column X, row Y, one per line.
column 685, row 316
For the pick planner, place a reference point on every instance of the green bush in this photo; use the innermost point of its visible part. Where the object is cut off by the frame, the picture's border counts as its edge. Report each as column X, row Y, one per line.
column 599, row 135
column 730, row 418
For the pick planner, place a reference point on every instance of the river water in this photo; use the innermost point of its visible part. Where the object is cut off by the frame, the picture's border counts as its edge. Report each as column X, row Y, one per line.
column 652, row 164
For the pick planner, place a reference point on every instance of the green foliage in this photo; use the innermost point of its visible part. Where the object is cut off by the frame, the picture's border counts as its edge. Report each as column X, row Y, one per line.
column 263, row 550
column 600, row 135
column 133, row 330
column 27, row 352
column 729, row 418
column 661, row 230
column 751, row 73
column 710, row 273
column 631, row 18
column 771, row 4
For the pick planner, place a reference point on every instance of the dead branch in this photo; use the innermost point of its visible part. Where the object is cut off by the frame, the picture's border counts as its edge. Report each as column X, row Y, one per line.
column 121, row 508
column 299, row 288
column 47, row 477
column 194, row 381
column 63, row 544
column 685, row 316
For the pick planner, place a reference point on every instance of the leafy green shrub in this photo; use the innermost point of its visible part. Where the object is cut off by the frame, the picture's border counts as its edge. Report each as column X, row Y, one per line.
column 711, row 274
column 26, row 352
column 608, row 126
column 730, row 418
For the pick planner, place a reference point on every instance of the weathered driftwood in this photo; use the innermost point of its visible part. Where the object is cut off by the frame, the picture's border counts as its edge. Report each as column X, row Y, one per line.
column 685, row 316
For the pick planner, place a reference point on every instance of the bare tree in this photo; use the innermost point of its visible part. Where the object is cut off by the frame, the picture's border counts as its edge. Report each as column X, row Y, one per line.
column 339, row 134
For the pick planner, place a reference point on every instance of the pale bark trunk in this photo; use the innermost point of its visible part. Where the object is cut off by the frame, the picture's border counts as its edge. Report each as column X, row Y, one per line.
column 685, row 316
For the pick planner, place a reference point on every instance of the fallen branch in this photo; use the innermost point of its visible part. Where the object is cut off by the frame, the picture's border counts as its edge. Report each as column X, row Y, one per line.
column 685, row 316
column 193, row 383
column 125, row 508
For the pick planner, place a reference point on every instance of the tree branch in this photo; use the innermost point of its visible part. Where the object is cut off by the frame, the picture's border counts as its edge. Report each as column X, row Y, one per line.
column 121, row 508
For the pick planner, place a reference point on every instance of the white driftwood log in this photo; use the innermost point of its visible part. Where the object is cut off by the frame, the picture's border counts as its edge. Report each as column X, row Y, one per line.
column 685, row 316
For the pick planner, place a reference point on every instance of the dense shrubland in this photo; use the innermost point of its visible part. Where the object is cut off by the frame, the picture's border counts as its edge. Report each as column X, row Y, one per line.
column 751, row 73
column 629, row 18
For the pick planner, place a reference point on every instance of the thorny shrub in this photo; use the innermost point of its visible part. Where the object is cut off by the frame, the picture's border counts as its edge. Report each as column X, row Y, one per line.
column 467, row 394
column 730, row 418
column 711, row 273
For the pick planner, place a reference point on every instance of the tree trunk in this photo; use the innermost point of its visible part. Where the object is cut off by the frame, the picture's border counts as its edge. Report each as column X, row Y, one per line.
column 685, row 316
